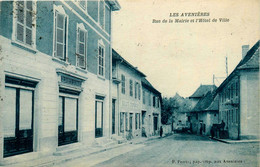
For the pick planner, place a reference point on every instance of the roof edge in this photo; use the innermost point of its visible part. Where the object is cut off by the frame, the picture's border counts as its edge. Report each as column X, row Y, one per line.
column 114, row 5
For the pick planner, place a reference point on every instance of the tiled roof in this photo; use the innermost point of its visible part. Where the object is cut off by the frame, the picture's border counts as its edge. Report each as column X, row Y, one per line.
column 204, row 102
column 214, row 104
column 202, row 90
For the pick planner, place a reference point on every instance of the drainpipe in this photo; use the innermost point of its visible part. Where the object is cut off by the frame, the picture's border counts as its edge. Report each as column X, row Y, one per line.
column 110, row 79
column 239, row 103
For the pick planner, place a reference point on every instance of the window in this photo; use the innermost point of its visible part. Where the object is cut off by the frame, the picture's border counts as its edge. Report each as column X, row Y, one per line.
column 150, row 99
column 60, row 33
column 237, row 88
column 123, row 84
column 136, row 120
column 126, row 121
column 101, row 60
column 153, row 101
column 131, row 87
column 143, row 97
column 81, row 46
column 139, row 91
column 25, row 22
column 136, row 89
column 121, row 122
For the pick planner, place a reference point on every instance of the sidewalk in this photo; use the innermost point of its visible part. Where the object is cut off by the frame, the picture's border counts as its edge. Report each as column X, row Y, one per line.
column 57, row 159
column 54, row 160
column 229, row 141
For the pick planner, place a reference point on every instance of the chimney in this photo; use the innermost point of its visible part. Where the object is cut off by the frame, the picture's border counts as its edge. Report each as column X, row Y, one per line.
column 245, row 49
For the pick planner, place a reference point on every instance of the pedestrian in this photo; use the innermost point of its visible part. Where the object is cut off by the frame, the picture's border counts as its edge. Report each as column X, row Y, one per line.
column 161, row 131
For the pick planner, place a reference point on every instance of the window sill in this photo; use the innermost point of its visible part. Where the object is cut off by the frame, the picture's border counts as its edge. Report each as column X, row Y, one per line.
column 23, row 46
column 60, row 61
column 101, row 77
column 82, row 70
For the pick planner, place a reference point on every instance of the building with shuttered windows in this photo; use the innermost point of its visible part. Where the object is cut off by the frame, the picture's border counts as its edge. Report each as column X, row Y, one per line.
column 55, row 76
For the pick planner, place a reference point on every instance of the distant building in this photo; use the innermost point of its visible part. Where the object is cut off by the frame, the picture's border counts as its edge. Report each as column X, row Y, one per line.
column 239, row 97
column 181, row 107
column 137, row 102
column 151, row 109
column 200, row 93
column 202, row 114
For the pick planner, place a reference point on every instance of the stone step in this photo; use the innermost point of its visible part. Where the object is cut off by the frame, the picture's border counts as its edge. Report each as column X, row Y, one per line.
column 68, row 149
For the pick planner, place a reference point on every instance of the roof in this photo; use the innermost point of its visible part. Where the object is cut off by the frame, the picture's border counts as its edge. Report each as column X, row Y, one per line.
column 214, row 106
column 117, row 57
column 114, row 5
column 182, row 104
column 250, row 61
column 202, row 90
column 149, row 86
column 204, row 102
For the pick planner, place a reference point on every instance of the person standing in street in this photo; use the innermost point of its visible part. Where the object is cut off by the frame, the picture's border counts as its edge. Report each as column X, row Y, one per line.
column 161, row 131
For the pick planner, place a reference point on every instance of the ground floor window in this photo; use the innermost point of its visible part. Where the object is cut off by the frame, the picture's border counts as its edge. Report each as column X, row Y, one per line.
column 18, row 117
column 137, row 121
column 68, row 120
column 130, row 122
column 122, row 122
column 126, row 121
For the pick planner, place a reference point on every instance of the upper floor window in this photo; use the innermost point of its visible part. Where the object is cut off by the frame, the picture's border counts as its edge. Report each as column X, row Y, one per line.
column 143, row 97
column 123, row 84
column 153, row 101
column 150, row 99
column 81, row 46
column 136, row 85
column 131, row 87
column 25, row 22
column 139, row 91
column 60, row 33
column 101, row 59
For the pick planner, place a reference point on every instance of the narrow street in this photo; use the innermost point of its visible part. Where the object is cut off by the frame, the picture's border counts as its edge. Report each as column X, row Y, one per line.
column 175, row 150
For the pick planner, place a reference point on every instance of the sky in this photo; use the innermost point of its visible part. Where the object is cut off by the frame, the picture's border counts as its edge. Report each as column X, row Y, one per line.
column 179, row 57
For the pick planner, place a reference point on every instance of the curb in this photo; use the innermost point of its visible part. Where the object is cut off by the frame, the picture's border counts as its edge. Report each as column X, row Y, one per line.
column 236, row 141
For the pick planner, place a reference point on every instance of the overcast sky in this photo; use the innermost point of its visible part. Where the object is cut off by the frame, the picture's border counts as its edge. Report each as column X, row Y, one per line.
column 178, row 57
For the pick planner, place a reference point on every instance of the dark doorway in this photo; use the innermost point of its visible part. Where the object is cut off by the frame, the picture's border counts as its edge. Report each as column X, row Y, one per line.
column 113, row 116
column 18, row 121
column 68, row 120
column 99, row 116
column 155, row 124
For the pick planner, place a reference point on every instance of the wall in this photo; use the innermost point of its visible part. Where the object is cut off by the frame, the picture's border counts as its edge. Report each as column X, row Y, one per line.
column 249, row 104
column 40, row 64
column 129, row 104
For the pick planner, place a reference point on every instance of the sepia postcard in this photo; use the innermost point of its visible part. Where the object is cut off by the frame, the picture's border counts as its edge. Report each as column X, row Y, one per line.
column 129, row 83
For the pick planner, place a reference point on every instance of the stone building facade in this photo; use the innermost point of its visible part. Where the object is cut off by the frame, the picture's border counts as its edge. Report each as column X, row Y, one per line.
column 137, row 102
column 239, row 97
column 55, row 75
